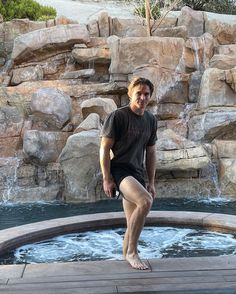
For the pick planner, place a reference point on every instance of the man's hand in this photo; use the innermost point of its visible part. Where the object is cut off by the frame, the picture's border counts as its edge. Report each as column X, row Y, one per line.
column 151, row 189
column 108, row 186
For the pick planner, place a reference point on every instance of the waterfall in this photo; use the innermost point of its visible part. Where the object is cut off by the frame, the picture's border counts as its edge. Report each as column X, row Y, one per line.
column 10, row 166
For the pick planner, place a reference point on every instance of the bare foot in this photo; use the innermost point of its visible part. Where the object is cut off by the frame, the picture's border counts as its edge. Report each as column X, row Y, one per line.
column 136, row 262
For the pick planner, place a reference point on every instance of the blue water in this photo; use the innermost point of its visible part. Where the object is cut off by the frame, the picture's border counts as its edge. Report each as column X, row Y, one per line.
column 19, row 214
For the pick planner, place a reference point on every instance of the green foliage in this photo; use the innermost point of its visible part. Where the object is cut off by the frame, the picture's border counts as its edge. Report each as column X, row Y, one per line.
column 217, row 6
column 25, row 9
column 154, row 7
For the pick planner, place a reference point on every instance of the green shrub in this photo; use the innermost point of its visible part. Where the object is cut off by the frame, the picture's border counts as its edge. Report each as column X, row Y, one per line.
column 217, row 6
column 25, row 9
column 154, row 7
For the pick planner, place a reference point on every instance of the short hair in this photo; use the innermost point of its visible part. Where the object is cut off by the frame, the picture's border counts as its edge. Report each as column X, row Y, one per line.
column 140, row 81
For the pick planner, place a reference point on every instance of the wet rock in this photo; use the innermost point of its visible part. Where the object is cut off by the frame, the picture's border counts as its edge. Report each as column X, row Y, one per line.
column 177, row 153
column 227, row 177
column 80, row 164
column 215, row 89
column 29, row 73
column 91, row 122
column 51, row 105
column 194, row 86
column 43, row 147
column 193, row 20
column 101, row 106
column 197, row 53
column 29, row 183
column 41, row 42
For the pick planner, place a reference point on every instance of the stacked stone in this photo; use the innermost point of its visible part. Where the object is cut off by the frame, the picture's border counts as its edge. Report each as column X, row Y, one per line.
column 64, row 78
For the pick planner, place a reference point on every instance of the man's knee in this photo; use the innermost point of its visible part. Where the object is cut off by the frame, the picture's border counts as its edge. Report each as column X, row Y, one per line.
column 146, row 202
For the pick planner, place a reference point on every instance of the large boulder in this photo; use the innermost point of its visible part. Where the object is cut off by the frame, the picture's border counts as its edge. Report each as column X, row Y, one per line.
column 169, row 87
column 9, row 30
column 43, row 147
column 91, row 122
column 227, row 177
column 11, row 122
column 104, row 24
column 101, row 106
column 224, row 33
column 52, row 106
column 29, row 73
column 128, row 28
column 225, row 148
column 78, row 74
column 179, row 126
column 194, row 86
column 197, row 53
column 223, row 61
column 43, row 41
column 217, row 88
column 214, row 123
column 173, row 32
column 129, row 53
column 96, row 55
column 193, row 20
column 177, row 153
column 169, row 111
column 28, row 182
column 80, row 163
column 226, row 49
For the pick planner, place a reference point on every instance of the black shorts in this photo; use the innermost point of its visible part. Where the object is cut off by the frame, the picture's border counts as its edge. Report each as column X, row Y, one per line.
column 119, row 173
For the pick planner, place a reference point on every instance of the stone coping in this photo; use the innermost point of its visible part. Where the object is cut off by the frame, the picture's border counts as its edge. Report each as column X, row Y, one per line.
column 17, row 236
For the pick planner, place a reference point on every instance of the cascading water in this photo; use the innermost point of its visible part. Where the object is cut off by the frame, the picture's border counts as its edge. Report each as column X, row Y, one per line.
column 10, row 166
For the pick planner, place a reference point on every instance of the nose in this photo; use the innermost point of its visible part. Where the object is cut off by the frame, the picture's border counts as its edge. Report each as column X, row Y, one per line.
column 142, row 97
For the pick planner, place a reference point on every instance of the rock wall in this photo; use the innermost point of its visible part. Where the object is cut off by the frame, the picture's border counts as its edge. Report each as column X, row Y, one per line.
column 59, row 80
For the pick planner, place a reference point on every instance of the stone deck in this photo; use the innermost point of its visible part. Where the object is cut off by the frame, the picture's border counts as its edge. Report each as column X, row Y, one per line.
column 210, row 275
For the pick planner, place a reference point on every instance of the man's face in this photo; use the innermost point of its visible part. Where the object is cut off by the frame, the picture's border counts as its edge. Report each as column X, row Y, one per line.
column 140, row 97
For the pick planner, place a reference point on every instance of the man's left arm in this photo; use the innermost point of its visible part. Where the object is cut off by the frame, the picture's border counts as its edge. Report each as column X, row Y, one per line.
column 151, row 169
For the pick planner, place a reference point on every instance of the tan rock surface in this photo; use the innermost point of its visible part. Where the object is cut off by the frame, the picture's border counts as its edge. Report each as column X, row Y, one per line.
column 43, row 41
column 129, row 53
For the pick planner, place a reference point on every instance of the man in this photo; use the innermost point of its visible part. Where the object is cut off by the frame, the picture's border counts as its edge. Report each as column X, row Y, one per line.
column 130, row 133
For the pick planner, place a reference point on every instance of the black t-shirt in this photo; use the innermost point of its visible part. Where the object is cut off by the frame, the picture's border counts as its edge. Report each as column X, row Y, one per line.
column 132, row 133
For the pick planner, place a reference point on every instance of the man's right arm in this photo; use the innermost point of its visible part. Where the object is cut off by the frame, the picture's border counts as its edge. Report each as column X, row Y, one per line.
column 105, row 163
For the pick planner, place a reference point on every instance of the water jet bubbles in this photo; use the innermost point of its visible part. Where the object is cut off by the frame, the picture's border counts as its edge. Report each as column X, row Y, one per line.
column 155, row 242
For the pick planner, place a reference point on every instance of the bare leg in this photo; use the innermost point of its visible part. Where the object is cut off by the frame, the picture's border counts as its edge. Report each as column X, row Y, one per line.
column 135, row 211
column 128, row 209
